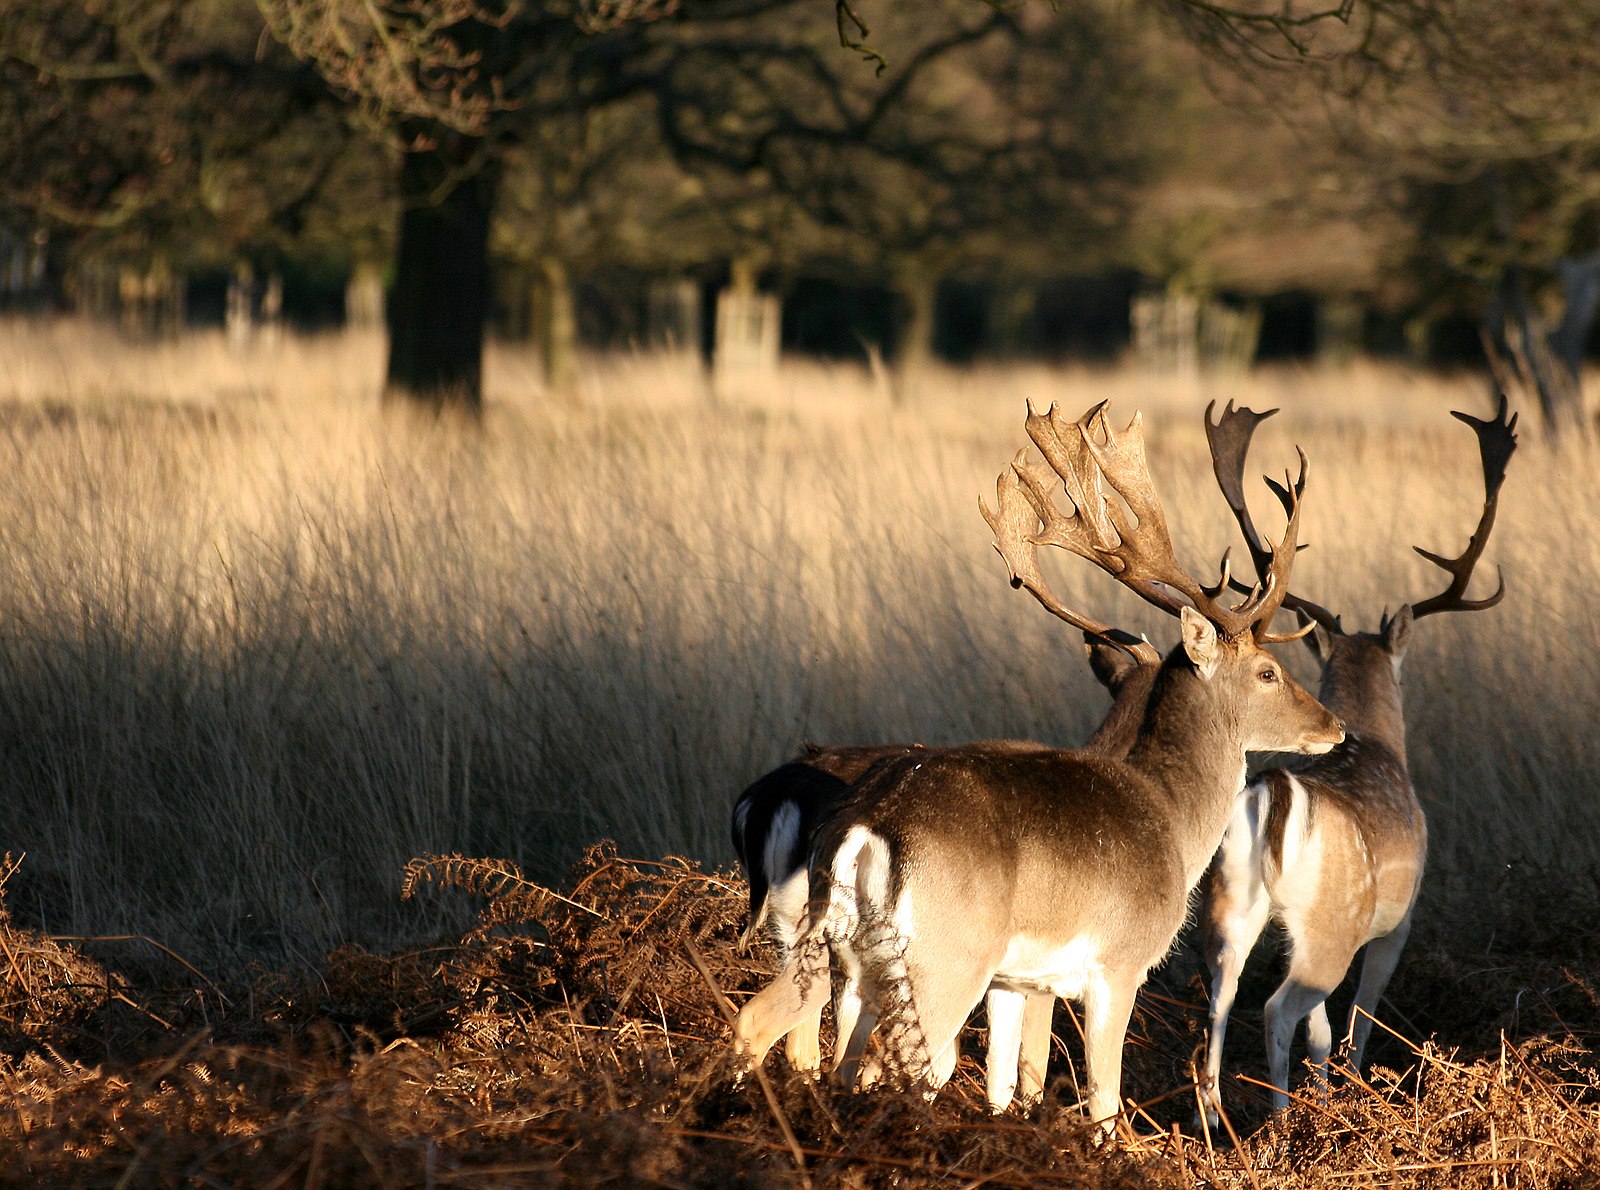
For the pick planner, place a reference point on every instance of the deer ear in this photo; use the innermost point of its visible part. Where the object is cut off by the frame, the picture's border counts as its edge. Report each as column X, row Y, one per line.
column 1200, row 642
column 1321, row 643
column 1110, row 665
column 1397, row 632
column 1319, row 640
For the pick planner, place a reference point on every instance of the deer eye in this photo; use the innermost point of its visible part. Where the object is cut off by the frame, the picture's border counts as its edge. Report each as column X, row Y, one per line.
column 1269, row 675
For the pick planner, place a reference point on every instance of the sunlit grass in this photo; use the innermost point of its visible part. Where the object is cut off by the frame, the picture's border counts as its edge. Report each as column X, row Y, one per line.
column 260, row 644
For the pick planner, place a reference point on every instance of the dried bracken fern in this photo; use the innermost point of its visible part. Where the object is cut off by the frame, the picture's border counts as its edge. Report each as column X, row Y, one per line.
column 1529, row 1117
column 591, row 1047
column 513, row 898
column 618, row 930
column 46, row 988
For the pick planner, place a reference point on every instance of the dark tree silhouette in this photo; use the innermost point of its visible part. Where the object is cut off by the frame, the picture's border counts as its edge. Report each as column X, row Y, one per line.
column 457, row 85
column 161, row 130
column 1471, row 119
column 914, row 164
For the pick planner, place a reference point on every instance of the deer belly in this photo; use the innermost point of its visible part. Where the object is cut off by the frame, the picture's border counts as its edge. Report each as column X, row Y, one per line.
column 1048, row 965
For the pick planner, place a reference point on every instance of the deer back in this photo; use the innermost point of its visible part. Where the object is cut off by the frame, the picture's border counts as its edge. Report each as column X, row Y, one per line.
column 1058, row 843
column 1053, row 844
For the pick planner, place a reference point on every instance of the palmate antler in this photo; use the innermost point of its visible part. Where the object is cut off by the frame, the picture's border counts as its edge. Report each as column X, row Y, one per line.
column 1497, row 438
column 1015, row 527
column 1125, row 535
column 1229, row 439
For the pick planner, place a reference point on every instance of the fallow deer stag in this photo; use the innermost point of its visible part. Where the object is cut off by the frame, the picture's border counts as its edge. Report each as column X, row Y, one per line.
column 774, row 821
column 1332, row 848
column 1060, row 873
column 776, row 816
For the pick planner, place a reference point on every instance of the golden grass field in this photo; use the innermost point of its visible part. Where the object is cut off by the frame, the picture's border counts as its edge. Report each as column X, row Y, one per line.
column 263, row 642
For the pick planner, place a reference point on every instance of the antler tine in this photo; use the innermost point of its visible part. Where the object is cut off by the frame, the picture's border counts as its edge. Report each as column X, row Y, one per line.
column 1273, row 592
column 1092, row 531
column 1148, row 564
column 1086, row 532
column 1229, row 440
column 1497, row 439
column 1016, row 527
column 1314, row 612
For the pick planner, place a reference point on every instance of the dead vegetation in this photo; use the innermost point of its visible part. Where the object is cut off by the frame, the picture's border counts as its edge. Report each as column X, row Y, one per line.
column 47, row 986
column 577, row 1036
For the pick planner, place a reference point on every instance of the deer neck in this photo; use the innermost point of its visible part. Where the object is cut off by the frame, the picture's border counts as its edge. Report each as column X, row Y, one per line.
column 1192, row 750
column 1364, row 691
column 1120, row 729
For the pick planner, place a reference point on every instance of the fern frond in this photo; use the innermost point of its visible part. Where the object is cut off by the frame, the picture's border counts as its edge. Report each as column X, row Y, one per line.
column 481, row 877
column 501, row 881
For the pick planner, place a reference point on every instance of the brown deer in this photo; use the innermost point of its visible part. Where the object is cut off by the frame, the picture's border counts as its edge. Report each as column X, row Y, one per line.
column 1332, row 848
column 1054, row 873
column 776, row 816
column 774, row 820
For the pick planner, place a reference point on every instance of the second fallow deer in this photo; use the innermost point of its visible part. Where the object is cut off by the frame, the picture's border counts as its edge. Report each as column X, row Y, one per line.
column 776, row 816
column 1053, row 873
column 774, row 821
column 1332, row 848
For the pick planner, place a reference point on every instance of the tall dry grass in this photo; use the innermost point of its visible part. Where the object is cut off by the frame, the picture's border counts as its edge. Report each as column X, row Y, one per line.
column 260, row 644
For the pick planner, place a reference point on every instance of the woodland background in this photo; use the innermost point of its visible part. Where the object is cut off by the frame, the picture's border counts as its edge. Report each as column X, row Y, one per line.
column 465, row 430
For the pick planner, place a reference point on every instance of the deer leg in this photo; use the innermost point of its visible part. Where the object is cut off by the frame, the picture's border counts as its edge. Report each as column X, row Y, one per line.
column 1237, row 910
column 851, row 1066
column 1037, row 1016
column 941, row 1007
column 944, row 1063
column 1383, row 955
column 1107, row 1005
column 779, row 1007
column 924, row 1032
column 1319, row 1042
column 846, row 1012
column 1006, row 1010
column 1294, row 999
column 785, row 909
column 855, row 1016
column 803, row 1043
column 1320, row 950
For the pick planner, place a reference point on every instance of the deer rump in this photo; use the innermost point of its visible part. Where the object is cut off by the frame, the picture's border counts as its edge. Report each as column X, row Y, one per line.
column 776, row 818
column 1342, row 829
column 939, row 875
column 1360, row 791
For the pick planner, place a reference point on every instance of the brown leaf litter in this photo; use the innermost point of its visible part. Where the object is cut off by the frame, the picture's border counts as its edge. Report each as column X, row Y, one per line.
column 578, row 1036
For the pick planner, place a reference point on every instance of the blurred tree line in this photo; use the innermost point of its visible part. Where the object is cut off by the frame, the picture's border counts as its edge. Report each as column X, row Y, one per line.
column 482, row 162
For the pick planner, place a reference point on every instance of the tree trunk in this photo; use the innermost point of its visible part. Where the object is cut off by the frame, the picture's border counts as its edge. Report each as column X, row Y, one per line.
column 918, row 288
column 748, row 334
column 556, row 328
column 1338, row 329
column 1166, row 330
column 1011, row 310
column 1580, row 298
column 270, row 331
column 363, row 297
column 1527, row 358
column 1528, row 354
column 239, row 318
column 440, row 302
column 151, row 301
